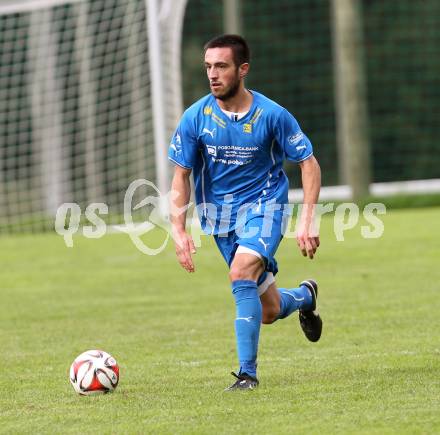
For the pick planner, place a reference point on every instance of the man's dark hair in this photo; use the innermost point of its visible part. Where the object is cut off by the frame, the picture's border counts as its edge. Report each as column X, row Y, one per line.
column 236, row 43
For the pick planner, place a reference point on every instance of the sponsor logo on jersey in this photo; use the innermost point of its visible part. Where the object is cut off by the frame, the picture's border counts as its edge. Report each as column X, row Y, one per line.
column 207, row 110
column 247, row 128
column 176, row 148
column 212, row 150
column 176, row 144
column 295, row 138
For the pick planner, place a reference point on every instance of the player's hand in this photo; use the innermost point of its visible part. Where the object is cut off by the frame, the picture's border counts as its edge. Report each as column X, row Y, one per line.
column 307, row 240
column 184, row 245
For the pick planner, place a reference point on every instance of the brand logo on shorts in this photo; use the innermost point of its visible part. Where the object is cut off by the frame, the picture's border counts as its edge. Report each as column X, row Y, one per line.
column 265, row 245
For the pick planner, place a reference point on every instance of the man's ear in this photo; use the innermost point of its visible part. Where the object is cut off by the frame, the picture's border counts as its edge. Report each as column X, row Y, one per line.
column 243, row 70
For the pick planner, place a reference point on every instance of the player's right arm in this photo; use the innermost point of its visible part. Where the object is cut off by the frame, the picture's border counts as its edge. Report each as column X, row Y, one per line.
column 183, row 153
column 179, row 200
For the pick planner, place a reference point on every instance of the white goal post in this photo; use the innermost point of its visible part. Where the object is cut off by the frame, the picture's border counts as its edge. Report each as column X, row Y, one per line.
column 91, row 92
column 165, row 27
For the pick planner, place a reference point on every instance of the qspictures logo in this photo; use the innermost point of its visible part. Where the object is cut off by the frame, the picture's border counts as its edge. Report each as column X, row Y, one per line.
column 346, row 216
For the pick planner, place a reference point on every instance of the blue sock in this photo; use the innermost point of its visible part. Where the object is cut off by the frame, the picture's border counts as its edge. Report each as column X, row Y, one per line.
column 294, row 299
column 247, row 324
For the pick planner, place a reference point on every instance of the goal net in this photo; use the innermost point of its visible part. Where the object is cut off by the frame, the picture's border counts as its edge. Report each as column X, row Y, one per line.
column 85, row 107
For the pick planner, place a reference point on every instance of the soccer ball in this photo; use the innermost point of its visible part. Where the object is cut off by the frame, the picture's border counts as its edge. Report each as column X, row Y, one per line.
column 94, row 372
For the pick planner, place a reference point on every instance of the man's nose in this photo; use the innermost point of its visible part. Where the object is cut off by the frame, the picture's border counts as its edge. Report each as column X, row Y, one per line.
column 213, row 73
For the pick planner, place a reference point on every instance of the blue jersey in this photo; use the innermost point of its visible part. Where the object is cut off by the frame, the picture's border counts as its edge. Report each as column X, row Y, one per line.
column 237, row 162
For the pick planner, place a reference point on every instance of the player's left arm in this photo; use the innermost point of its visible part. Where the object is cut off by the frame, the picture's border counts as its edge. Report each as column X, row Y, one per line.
column 298, row 148
column 308, row 235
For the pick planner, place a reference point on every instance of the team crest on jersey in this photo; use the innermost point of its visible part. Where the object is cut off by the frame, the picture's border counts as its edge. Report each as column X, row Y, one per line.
column 247, row 128
column 207, row 110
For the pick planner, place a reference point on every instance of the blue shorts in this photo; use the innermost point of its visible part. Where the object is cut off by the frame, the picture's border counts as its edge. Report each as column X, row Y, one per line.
column 258, row 233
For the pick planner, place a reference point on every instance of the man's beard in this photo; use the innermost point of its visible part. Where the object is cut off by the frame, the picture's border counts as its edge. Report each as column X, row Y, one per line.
column 231, row 92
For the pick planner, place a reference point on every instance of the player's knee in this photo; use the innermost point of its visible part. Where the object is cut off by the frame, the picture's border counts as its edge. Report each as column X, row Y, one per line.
column 245, row 267
column 237, row 273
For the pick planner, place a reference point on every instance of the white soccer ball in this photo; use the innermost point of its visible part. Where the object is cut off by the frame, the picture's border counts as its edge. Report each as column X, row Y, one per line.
column 94, row 372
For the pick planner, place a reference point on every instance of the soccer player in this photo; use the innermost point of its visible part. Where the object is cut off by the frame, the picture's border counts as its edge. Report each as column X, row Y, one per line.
column 234, row 141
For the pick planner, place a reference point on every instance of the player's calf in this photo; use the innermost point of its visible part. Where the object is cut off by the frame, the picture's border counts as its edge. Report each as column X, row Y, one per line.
column 270, row 301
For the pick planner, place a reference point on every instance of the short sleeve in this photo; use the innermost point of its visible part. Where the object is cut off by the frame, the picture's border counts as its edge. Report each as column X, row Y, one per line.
column 296, row 145
column 184, row 145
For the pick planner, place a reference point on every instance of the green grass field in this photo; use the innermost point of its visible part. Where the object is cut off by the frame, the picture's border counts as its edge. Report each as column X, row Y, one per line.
column 375, row 370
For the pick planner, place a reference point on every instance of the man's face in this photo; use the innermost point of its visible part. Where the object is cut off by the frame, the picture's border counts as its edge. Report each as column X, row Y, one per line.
column 223, row 74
